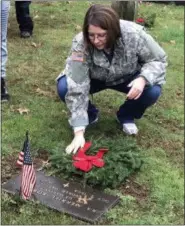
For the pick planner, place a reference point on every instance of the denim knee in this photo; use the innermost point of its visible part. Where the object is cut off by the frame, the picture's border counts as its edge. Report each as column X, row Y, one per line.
column 152, row 94
column 62, row 88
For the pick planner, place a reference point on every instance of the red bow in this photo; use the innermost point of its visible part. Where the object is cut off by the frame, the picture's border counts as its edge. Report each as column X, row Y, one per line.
column 86, row 162
column 140, row 20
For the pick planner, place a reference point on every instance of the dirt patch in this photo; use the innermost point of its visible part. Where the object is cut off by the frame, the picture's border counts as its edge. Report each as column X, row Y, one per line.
column 131, row 187
column 42, row 154
column 10, row 170
column 8, row 167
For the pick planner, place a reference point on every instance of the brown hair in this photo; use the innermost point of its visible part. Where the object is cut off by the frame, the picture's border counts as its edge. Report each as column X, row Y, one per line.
column 104, row 17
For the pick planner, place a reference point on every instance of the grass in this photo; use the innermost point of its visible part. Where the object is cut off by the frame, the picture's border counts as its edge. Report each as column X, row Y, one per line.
column 161, row 136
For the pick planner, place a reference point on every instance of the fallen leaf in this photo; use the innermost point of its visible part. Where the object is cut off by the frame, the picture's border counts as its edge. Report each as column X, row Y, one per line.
column 78, row 28
column 52, row 16
column 42, row 92
column 47, row 83
column 36, row 16
column 45, row 164
column 23, row 110
column 47, row 4
column 36, row 45
column 65, row 112
column 178, row 93
column 173, row 42
column 13, row 202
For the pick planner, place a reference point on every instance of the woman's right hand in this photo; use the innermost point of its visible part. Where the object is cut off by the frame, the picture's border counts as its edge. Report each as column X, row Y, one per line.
column 77, row 142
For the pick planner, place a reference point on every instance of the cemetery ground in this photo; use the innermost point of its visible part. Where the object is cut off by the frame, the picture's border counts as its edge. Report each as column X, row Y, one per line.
column 155, row 194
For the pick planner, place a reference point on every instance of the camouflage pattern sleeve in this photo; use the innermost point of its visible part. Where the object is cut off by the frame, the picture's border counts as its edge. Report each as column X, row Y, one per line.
column 78, row 83
column 152, row 58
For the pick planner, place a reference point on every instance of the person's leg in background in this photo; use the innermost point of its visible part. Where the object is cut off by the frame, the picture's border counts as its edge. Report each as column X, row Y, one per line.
column 23, row 18
column 5, row 6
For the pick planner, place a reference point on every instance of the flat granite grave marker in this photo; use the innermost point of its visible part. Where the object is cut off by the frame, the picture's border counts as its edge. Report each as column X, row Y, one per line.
column 68, row 197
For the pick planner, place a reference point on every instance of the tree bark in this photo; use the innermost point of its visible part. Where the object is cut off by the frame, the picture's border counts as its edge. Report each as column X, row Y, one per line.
column 127, row 10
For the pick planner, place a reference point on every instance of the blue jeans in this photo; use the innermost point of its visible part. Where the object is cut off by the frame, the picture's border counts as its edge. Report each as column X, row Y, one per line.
column 129, row 110
column 5, row 6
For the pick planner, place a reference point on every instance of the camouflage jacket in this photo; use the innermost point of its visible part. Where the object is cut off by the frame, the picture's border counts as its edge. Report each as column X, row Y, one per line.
column 134, row 51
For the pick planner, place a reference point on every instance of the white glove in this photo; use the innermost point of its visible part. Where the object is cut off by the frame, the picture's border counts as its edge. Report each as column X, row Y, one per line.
column 78, row 142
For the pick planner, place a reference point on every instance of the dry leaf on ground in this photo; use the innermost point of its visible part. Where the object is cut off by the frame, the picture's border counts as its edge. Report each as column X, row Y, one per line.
column 36, row 45
column 78, row 28
column 23, row 110
column 173, row 42
column 45, row 164
column 52, row 16
column 36, row 16
column 44, row 93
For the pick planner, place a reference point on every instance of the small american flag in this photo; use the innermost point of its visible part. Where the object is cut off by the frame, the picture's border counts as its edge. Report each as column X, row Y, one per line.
column 28, row 179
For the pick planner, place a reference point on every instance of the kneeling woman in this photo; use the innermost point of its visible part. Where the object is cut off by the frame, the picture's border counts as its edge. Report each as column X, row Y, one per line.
column 110, row 54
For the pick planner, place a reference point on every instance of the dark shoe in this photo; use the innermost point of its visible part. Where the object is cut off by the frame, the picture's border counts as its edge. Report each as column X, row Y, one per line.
column 5, row 97
column 92, row 113
column 4, row 93
column 25, row 34
column 93, row 119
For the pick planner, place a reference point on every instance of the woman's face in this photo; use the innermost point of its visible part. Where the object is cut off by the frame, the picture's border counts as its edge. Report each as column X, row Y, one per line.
column 97, row 37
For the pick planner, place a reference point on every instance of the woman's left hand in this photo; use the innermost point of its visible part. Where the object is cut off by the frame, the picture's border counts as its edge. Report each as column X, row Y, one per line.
column 137, row 87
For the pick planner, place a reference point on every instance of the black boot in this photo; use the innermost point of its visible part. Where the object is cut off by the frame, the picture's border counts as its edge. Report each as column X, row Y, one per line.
column 4, row 93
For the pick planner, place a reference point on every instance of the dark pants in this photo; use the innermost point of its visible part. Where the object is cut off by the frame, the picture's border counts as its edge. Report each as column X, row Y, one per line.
column 129, row 110
column 23, row 16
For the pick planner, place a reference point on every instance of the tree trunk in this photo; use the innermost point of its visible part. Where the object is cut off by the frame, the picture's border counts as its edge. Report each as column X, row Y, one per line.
column 126, row 10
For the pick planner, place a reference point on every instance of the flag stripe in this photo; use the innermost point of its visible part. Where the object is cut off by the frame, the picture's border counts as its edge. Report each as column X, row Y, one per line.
column 28, row 184
column 28, row 177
